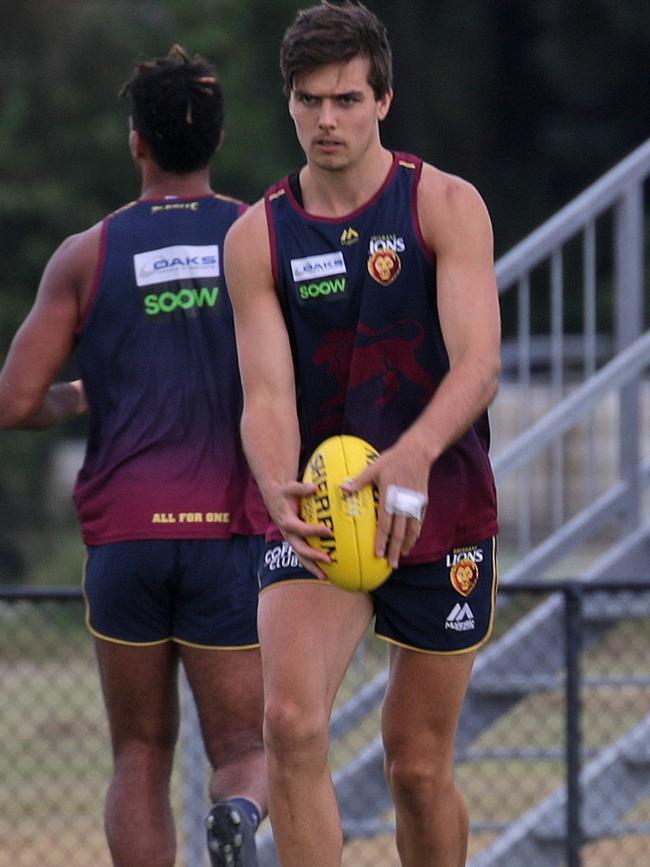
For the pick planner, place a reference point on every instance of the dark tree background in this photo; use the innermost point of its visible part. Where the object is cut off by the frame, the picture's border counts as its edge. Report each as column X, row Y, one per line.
column 531, row 100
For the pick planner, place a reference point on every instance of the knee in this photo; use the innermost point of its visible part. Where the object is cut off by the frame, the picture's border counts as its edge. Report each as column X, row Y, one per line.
column 150, row 752
column 418, row 781
column 290, row 728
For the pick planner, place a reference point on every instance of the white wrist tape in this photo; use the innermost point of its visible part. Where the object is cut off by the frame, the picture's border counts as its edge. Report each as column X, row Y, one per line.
column 405, row 502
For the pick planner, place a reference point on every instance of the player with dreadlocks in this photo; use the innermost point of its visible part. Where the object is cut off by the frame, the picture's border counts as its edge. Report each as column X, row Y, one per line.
column 169, row 513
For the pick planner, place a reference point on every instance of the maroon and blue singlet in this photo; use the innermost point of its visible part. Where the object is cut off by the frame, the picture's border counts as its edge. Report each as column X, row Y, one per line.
column 159, row 365
column 358, row 294
column 359, row 298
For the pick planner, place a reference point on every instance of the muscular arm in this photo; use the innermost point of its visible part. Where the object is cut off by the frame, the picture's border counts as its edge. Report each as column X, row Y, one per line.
column 456, row 227
column 270, row 429
column 28, row 396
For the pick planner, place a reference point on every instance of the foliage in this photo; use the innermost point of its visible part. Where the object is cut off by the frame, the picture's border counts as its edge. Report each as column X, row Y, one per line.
column 531, row 101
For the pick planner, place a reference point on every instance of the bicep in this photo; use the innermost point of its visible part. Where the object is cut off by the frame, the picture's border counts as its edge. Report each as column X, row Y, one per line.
column 264, row 353
column 46, row 337
column 468, row 303
column 263, row 348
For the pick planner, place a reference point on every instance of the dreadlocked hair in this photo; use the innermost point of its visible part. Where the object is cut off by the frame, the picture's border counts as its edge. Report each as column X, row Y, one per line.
column 177, row 108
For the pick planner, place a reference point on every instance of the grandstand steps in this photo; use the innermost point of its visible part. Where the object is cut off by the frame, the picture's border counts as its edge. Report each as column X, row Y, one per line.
column 612, row 785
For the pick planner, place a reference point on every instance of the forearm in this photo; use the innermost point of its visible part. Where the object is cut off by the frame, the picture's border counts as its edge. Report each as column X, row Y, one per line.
column 61, row 402
column 271, row 439
column 462, row 396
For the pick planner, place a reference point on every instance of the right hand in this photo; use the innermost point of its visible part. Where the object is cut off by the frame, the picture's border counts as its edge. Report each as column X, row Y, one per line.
column 284, row 507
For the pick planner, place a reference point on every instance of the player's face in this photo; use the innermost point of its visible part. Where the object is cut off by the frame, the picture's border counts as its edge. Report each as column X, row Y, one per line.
column 337, row 114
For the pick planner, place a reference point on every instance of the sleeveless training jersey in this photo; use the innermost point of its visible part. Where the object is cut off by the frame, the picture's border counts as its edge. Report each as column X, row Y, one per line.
column 359, row 298
column 159, row 365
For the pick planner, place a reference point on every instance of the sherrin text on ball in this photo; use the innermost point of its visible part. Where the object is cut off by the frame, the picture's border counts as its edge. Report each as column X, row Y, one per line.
column 352, row 518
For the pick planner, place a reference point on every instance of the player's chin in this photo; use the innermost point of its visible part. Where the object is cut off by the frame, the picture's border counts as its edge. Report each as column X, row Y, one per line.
column 329, row 163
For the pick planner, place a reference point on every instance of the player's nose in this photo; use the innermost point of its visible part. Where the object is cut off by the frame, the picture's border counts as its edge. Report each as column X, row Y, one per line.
column 327, row 115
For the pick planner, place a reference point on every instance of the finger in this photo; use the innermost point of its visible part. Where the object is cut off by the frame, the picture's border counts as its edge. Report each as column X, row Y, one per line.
column 397, row 533
column 82, row 403
column 313, row 569
column 364, row 478
column 304, row 550
column 304, row 529
column 299, row 489
column 384, row 527
column 308, row 557
column 412, row 534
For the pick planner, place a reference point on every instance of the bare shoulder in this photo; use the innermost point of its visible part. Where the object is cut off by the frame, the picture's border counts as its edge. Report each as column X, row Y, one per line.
column 248, row 229
column 71, row 268
column 450, row 209
column 247, row 252
column 82, row 244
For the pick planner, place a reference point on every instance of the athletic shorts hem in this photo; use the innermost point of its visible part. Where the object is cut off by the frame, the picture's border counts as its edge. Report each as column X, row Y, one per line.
column 125, row 641
column 224, row 647
column 432, row 652
column 173, row 639
column 285, row 581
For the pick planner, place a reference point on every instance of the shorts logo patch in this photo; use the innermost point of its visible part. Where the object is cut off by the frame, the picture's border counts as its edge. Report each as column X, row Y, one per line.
column 281, row 556
column 463, row 576
column 460, row 618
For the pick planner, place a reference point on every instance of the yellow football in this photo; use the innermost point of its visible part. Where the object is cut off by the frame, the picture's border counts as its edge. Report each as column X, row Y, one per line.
column 352, row 518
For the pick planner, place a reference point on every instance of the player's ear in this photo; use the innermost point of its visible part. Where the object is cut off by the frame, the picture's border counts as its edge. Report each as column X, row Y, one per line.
column 137, row 144
column 383, row 104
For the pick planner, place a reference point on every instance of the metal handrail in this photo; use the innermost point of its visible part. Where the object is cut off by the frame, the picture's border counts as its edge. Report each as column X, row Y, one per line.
column 574, row 217
column 624, row 368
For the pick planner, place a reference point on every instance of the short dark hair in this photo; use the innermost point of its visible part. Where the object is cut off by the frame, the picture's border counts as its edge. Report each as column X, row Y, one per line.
column 336, row 33
column 177, row 108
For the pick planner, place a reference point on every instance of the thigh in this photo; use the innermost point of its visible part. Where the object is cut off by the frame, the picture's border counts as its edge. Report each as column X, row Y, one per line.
column 423, row 701
column 128, row 587
column 216, row 599
column 308, row 634
column 443, row 607
column 140, row 692
column 227, row 688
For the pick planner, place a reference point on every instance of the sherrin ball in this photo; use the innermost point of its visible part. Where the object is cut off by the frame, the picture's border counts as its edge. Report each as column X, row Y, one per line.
column 352, row 518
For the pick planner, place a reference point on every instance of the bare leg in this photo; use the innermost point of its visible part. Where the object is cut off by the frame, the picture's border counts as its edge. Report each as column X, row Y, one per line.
column 420, row 718
column 139, row 685
column 227, row 686
column 308, row 633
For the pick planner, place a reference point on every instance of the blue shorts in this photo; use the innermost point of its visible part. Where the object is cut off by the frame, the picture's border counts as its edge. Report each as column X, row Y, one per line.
column 201, row 592
column 442, row 607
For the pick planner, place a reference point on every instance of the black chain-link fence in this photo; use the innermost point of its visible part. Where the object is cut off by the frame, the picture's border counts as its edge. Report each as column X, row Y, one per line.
column 553, row 744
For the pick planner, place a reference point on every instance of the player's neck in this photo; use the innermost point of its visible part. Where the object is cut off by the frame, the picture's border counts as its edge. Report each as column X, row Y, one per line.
column 160, row 185
column 335, row 193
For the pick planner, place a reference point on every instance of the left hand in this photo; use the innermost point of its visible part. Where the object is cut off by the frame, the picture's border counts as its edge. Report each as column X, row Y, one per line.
column 396, row 533
column 82, row 402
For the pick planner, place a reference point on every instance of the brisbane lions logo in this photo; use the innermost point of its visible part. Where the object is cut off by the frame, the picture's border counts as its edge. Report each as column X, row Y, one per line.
column 384, row 266
column 386, row 357
column 463, row 576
